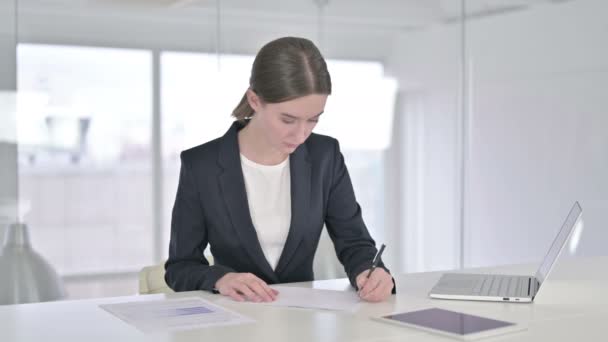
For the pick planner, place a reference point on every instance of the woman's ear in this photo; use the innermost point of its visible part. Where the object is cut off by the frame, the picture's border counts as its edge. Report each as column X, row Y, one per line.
column 254, row 100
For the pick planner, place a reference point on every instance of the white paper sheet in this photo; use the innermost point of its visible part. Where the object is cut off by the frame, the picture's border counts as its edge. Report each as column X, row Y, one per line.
column 316, row 299
column 174, row 314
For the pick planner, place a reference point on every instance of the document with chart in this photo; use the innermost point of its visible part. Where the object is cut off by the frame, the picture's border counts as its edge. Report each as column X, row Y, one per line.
column 174, row 314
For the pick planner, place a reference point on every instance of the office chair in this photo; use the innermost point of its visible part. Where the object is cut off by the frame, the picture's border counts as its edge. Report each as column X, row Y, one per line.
column 326, row 264
column 152, row 279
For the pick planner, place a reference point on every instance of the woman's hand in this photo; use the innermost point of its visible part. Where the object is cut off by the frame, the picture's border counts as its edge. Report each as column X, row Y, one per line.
column 378, row 287
column 245, row 286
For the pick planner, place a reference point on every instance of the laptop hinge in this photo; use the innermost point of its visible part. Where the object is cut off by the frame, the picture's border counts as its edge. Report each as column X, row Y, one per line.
column 536, row 286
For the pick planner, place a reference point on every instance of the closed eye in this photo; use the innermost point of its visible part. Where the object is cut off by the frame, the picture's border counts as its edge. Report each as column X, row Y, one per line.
column 290, row 119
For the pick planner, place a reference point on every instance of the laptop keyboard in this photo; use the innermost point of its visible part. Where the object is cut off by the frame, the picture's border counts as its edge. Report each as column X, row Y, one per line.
column 502, row 286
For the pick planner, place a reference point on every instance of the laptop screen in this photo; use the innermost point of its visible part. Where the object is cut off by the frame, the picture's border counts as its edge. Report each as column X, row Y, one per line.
column 560, row 240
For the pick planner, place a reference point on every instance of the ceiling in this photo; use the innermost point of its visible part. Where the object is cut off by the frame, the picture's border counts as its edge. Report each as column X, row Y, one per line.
column 396, row 14
column 360, row 29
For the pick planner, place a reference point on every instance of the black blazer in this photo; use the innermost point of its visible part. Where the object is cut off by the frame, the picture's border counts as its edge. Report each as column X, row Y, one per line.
column 211, row 208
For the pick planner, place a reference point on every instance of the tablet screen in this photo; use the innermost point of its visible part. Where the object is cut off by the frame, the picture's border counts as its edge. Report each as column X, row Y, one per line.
column 448, row 321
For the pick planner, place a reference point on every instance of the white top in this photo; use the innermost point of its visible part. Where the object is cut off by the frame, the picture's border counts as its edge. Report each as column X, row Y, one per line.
column 269, row 196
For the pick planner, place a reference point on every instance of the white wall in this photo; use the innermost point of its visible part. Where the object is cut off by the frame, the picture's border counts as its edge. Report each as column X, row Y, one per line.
column 539, row 131
column 427, row 66
column 536, row 92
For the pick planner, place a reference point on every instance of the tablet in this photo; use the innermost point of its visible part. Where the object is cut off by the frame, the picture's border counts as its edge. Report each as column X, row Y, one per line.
column 452, row 323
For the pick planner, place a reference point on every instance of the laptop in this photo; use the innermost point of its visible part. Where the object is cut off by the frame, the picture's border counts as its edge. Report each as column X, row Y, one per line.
column 506, row 288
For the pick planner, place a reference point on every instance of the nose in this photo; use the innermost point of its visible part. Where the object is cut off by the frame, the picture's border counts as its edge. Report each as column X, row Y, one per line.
column 302, row 133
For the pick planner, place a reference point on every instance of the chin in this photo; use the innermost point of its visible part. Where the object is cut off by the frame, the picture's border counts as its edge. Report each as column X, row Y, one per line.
column 289, row 149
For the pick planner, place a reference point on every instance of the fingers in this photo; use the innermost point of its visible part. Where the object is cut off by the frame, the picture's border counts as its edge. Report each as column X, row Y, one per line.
column 234, row 295
column 261, row 291
column 272, row 292
column 370, row 285
column 380, row 293
column 361, row 280
column 267, row 292
column 248, row 292
column 260, row 288
column 246, row 286
column 377, row 288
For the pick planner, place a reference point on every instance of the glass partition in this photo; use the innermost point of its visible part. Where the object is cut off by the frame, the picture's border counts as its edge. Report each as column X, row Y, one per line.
column 84, row 155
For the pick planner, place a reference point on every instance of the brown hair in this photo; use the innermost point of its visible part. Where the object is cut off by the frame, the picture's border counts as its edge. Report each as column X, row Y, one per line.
column 285, row 69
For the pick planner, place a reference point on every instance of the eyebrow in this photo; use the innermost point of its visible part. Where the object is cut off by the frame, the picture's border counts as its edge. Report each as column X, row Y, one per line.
column 295, row 117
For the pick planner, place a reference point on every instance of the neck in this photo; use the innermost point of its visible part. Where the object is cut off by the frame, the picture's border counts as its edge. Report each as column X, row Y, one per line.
column 254, row 146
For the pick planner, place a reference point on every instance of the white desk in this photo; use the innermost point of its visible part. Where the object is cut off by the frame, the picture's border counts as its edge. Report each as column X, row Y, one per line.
column 570, row 307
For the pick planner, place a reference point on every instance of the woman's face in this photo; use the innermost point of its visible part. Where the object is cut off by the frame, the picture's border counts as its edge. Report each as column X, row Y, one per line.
column 288, row 124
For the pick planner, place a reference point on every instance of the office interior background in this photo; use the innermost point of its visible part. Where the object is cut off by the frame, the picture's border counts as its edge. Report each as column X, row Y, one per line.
column 469, row 126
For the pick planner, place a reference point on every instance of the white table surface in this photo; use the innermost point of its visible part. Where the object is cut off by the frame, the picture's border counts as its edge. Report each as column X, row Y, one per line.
column 572, row 305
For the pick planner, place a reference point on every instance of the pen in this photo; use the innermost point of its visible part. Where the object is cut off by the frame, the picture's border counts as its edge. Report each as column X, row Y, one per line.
column 376, row 260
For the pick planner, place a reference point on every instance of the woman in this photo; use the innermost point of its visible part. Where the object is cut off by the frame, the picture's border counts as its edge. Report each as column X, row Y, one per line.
column 259, row 195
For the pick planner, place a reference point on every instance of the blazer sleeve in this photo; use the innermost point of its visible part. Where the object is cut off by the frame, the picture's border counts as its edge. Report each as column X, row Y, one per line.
column 354, row 246
column 187, row 268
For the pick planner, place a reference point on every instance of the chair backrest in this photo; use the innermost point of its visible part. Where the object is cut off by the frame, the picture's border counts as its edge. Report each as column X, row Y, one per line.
column 326, row 264
column 152, row 280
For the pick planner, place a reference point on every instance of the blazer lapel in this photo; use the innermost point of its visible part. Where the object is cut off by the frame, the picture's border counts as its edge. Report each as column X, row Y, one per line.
column 300, row 169
column 232, row 185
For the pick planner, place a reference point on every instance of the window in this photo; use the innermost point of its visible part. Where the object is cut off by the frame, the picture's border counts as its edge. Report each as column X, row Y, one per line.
column 84, row 121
